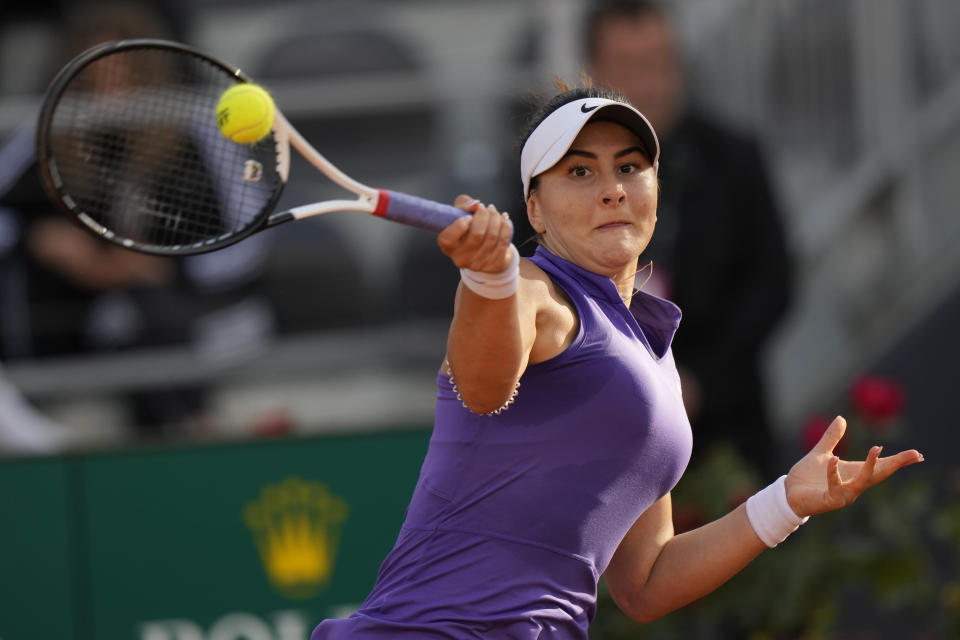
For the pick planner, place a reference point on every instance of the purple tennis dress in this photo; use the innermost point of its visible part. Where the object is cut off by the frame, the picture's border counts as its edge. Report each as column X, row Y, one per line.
column 515, row 516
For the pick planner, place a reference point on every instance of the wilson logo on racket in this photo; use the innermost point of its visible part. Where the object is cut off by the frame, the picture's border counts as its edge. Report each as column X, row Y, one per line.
column 252, row 171
column 296, row 526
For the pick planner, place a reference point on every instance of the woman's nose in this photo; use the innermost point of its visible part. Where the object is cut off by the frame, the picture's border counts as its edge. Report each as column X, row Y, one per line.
column 614, row 194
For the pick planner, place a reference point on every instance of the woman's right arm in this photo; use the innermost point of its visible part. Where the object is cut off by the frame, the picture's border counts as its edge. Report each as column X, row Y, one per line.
column 490, row 340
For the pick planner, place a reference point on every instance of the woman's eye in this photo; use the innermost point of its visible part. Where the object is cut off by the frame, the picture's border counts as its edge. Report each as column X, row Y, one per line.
column 579, row 171
column 628, row 168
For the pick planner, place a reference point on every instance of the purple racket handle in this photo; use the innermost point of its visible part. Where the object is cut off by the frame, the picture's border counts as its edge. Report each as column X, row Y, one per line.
column 416, row 212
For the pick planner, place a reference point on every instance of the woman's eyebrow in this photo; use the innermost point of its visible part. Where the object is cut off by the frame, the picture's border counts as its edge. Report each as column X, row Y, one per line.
column 629, row 150
column 579, row 152
column 618, row 154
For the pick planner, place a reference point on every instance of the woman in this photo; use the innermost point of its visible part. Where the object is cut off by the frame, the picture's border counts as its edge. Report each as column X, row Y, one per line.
column 560, row 428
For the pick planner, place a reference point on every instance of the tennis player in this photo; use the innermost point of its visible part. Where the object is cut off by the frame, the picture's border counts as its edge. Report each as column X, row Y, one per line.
column 560, row 428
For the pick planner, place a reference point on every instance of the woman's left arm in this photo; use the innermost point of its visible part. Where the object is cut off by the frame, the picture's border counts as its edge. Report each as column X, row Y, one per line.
column 655, row 572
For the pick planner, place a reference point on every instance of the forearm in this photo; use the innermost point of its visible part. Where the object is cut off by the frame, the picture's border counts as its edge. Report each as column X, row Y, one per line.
column 485, row 349
column 494, row 321
column 694, row 563
column 655, row 572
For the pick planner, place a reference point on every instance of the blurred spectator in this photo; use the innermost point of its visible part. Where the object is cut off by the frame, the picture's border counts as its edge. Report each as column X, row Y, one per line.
column 54, row 270
column 23, row 429
column 67, row 292
column 719, row 251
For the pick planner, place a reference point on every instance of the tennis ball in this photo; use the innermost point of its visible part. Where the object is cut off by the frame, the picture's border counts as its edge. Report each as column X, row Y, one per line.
column 245, row 113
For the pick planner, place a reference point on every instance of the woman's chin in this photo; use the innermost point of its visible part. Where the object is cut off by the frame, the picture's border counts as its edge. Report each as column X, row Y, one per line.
column 620, row 247
column 617, row 257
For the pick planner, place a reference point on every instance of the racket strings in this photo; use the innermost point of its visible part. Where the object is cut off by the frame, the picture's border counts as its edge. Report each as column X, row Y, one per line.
column 137, row 149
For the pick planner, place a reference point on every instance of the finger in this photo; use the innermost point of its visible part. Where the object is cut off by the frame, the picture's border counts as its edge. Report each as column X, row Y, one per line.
column 477, row 234
column 465, row 202
column 864, row 477
column 834, row 481
column 506, row 230
column 887, row 466
column 487, row 254
column 506, row 236
column 450, row 238
column 832, row 436
column 491, row 254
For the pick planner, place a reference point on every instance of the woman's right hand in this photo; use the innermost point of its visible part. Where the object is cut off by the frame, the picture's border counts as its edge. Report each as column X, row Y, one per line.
column 481, row 241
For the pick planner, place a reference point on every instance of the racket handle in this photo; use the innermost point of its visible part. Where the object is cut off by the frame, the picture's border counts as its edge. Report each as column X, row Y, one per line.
column 416, row 212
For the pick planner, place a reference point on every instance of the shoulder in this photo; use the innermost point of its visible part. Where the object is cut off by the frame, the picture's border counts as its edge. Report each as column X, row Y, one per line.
column 532, row 277
column 549, row 308
column 538, row 288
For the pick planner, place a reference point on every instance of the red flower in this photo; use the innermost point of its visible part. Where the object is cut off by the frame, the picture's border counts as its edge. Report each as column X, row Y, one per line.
column 272, row 424
column 878, row 399
column 814, row 429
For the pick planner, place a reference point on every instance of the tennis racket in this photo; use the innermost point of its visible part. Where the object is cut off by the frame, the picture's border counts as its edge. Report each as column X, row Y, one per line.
column 128, row 144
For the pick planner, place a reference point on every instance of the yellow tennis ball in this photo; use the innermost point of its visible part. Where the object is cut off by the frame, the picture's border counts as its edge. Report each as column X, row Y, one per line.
column 245, row 113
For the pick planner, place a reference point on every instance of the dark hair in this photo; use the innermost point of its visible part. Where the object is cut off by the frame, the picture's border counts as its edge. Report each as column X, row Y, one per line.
column 617, row 9
column 539, row 112
column 566, row 96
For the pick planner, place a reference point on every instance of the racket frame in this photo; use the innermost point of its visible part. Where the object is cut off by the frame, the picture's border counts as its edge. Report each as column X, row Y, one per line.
column 391, row 205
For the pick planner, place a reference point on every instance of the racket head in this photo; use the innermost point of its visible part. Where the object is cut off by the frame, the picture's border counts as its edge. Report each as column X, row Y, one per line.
column 128, row 146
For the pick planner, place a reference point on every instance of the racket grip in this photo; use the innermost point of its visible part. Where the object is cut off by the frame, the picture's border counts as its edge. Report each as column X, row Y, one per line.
column 416, row 212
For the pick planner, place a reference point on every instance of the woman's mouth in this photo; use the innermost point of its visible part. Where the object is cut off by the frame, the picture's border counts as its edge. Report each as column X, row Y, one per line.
column 610, row 226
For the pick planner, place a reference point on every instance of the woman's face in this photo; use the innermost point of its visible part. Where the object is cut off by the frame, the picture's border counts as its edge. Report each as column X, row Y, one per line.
column 597, row 207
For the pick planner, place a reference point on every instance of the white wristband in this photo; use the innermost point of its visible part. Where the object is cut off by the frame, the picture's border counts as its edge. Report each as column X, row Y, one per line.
column 495, row 286
column 770, row 514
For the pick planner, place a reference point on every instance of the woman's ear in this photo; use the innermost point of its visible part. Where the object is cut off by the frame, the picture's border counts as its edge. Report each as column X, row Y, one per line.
column 534, row 214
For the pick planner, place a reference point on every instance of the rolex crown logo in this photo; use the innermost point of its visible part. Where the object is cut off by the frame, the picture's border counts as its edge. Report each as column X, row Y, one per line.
column 296, row 525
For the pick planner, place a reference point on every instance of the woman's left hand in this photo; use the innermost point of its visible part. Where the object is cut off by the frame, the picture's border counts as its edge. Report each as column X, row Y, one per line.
column 821, row 482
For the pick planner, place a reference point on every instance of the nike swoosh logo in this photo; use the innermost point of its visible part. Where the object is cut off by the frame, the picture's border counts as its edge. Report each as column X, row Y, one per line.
column 587, row 109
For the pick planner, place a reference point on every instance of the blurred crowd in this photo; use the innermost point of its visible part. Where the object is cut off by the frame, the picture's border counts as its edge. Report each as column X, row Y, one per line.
column 719, row 250
column 67, row 293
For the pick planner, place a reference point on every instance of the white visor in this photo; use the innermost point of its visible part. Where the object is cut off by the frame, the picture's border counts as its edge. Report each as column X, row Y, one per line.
column 552, row 138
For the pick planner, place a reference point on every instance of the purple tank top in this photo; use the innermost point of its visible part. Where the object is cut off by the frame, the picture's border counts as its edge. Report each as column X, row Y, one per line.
column 515, row 516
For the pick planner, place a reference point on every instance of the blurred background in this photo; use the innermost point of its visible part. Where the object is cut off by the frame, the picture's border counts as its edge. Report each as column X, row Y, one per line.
column 159, row 424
